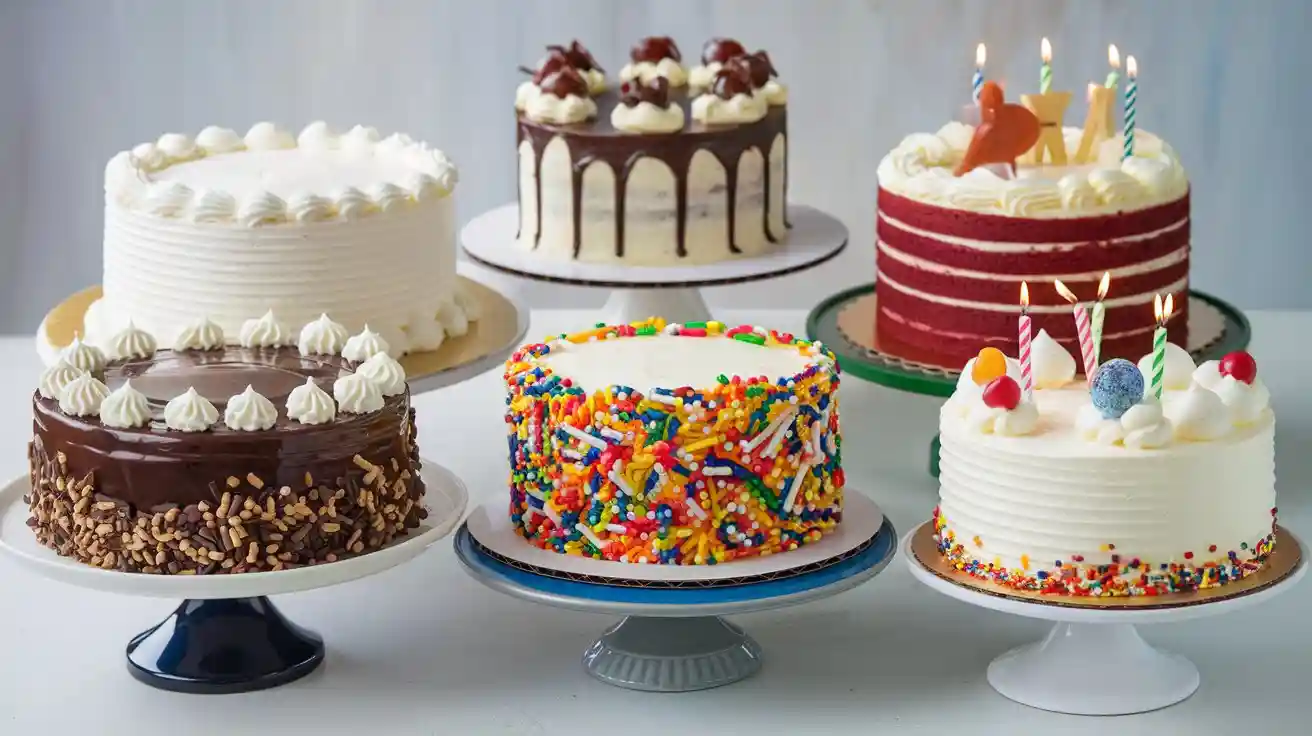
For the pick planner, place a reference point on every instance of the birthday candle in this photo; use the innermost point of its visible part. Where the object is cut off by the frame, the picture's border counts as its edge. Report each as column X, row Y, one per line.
column 1131, row 97
column 1114, row 59
column 1082, row 328
column 1026, row 328
column 1097, row 316
column 977, row 81
column 1162, row 313
column 1045, row 71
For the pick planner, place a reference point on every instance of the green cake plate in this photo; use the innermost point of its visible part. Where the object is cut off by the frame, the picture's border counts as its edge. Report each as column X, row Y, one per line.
column 845, row 322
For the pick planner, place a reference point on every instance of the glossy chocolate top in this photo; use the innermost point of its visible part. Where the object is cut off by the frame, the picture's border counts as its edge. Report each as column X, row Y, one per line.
column 151, row 465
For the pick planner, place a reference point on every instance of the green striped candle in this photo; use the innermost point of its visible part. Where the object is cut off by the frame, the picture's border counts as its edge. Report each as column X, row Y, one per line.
column 1045, row 71
column 1162, row 312
column 1131, row 97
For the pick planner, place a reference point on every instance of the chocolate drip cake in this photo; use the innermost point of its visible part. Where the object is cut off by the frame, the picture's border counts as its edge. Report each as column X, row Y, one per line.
column 670, row 166
column 214, row 458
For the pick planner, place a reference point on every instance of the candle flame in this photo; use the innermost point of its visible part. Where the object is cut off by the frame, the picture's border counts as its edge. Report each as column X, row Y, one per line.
column 1066, row 293
column 1157, row 308
column 1131, row 67
column 1114, row 56
column 1089, row 97
column 1045, row 50
column 1168, row 307
column 1104, row 284
column 980, row 56
column 1024, row 296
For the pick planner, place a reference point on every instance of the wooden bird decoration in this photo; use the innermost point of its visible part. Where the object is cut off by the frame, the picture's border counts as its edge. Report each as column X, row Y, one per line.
column 1005, row 132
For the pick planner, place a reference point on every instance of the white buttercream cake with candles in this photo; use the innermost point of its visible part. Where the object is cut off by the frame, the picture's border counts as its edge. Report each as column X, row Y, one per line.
column 224, row 227
column 1119, row 486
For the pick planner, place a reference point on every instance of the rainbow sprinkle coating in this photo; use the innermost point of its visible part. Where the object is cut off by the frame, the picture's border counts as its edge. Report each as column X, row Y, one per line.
column 1129, row 577
column 678, row 476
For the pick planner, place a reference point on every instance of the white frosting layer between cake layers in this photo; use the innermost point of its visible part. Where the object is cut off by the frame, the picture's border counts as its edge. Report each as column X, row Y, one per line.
column 650, row 213
column 359, row 227
column 921, row 167
column 1052, row 495
column 669, row 361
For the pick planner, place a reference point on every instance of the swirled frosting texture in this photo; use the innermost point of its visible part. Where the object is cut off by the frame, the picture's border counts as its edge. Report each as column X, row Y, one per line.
column 131, row 342
column 385, row 371
column 322, row 337
column 125, row 408
column 82, row 396
column 743, row 108
column 190, row 412
column 265, row 332
column 646, row 71
column 84, row 356
column 357, row 394
column 545, row 107
column 309, row 404
column 199, row 335
column 56, row 377
column 645, row 117
column 920, row 168
column 249, row 411
column 362, row 347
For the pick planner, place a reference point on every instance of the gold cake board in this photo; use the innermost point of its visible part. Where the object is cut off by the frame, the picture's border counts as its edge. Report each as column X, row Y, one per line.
column 500, row 329
column 1284, row 561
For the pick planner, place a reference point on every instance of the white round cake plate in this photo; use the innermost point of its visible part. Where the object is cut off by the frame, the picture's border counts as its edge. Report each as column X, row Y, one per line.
column 1094, row 662
column 639, row 292
column 673, row 639
column 227, row 636
column 499, row 331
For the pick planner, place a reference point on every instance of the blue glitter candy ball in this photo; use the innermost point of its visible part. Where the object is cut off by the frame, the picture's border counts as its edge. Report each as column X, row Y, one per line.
column 1117, row 386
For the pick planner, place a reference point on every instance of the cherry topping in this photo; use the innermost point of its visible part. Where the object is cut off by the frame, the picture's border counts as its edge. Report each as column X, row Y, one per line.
column 730, row 81
column 578, row 56
column 553, row 62
column 655, row 48
column 758, row 67
column 720, row 50
column 1240, row 366
column 657, row 93
column 565, row 82
column 1002, row 393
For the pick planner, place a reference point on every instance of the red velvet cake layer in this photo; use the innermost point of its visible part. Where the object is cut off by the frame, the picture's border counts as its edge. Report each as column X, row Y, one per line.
column 949, row 280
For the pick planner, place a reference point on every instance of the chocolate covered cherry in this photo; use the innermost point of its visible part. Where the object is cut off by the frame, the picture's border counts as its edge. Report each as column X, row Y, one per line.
column 721, row 50
column 577, row 55
column 653, row 49
column 758, row 68
column 553, row 62
column 656, row 93
column 730, row 82
column 565, row 82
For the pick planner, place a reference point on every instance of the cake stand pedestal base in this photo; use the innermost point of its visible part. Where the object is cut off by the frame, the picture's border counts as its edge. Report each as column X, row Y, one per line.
column 1093, row 669
column 626, row 306
column 231, row 645
column 672, row 654
column 846, row 324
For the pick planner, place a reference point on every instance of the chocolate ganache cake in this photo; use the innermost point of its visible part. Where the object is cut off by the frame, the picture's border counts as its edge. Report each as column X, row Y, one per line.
column 214, row 458
column 669, row 166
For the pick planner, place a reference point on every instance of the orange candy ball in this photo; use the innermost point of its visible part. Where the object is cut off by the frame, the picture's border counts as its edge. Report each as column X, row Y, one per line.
column 989, row 364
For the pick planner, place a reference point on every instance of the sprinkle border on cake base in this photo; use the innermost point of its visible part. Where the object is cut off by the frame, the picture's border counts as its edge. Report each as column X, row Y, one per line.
column 1132, row 577
column 685, row 476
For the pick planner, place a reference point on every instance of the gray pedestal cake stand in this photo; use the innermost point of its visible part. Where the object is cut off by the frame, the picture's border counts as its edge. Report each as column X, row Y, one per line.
column 672, row 638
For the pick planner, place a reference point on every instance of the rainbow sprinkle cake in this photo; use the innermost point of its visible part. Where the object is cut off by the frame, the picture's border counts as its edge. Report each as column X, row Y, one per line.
column 674, row 472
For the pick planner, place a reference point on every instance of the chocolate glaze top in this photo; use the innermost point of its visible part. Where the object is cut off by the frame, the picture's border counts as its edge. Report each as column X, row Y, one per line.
column 152, row 465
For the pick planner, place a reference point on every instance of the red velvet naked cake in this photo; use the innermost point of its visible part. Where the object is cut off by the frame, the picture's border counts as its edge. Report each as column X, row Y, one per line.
column 952, row 251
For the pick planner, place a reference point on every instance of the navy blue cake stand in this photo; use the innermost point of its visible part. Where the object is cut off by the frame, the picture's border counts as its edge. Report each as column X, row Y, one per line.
column 672, row 638
column 226, row 636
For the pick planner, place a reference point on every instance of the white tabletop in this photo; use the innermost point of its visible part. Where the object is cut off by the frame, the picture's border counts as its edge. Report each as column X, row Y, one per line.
column 424, row 649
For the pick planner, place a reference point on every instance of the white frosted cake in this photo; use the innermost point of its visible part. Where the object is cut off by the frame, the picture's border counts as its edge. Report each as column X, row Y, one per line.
column 226, row 228
column 1065, row 493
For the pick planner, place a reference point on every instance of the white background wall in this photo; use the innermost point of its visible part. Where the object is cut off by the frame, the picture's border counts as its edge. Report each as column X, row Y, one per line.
column 1225, row 82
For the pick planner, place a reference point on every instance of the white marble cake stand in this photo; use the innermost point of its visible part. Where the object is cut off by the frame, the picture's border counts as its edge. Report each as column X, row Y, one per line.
column 1093, row 661
column 673, row 638
column 639, row 292
column 227, row 637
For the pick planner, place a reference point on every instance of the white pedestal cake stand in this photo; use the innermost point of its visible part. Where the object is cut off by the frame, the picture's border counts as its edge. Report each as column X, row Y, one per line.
column 639, row 292
column 1093, row 661
column 672, row 638
column 227, row 637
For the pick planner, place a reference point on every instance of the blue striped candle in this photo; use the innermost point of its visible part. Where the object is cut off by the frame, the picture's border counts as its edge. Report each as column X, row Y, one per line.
column 977, row 81
column 1131, row 97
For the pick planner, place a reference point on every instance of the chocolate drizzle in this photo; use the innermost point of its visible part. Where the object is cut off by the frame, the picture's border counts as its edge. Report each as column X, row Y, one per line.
column 598, row 141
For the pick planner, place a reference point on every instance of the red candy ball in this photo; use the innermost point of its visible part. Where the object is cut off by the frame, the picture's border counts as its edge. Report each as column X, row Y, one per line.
column 1240, row 366
column 1002, row 393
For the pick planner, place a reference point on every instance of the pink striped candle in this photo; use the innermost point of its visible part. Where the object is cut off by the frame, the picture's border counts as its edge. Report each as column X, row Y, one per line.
column 1026, row 330
column 1084, row 328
